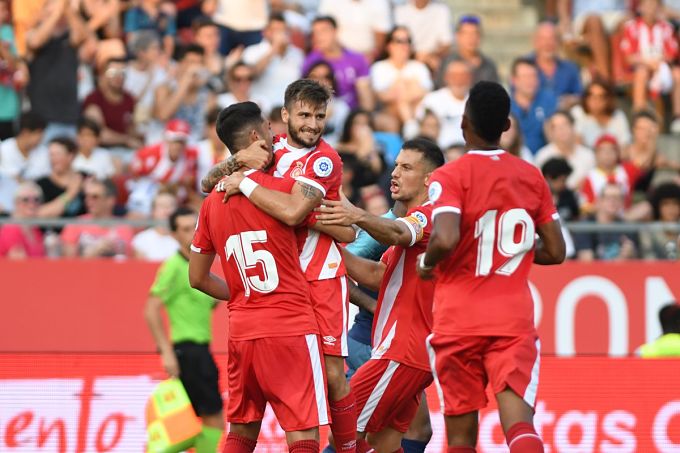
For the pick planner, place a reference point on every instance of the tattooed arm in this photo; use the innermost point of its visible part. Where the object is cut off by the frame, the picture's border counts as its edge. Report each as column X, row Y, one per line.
column 224, row 168
column 256, row 156
column 290, row 208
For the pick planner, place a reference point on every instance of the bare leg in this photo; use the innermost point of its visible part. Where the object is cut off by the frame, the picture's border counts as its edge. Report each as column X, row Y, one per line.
column 461, row 430
column 640, row 80
column 596, row 37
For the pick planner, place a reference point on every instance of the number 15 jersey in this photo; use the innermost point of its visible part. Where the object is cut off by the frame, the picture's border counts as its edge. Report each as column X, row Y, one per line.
column 269, row 292
column 482, row 286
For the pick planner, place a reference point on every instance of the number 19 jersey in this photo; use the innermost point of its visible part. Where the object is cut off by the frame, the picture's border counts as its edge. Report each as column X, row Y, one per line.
column 269, row 293
column 482, row 285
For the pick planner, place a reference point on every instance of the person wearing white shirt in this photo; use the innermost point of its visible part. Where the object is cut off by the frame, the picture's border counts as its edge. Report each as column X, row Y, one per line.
column 240, row 81
column 156, row 243
column 91, row 159
column 362, row 24
column 22, row 157
column 275, row 61
column 240, row 21
column 430, row 26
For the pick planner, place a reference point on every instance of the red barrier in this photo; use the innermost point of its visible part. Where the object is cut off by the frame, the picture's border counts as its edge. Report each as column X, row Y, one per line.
column 95, row 403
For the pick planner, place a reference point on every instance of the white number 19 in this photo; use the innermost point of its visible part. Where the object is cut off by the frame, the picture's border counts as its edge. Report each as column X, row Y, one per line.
column 240, row 246
column 485, row 230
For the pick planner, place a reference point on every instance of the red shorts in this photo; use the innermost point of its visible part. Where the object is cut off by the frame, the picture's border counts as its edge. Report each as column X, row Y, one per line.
column 387, row 394
column 330, row 300
column 286, row 372
column 464, row 365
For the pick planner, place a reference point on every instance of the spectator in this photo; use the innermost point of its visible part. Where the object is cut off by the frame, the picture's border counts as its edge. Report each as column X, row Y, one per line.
column 556, row 172
column 560, row 76
column 53, row 66
column 373, row 200
column 598, row 115
column 643, row 152
column 337, row 111
column 22, row 157
column 62, row 189
column 429, row 23
column 454, row 152
column 239, row 82
column 156, row 243
column 448, row 103
column 362, row 24
column 275, row 61
column 113, row 107
column 211, row 150
column 663, row 244
column 668, row 344
column 91, row 159
column 608, row 170
column 207, row 35
column 468, row 43
column 399, row 81
column 187, row 96
column 92, row 240
column 513, row 142
column 607, row 245
column 25, row 15
column 152, row 15
column 240, row 21
column 13, row 75
column 101, row 17
column 276, row 123
column 351, row 68
column 531, row 104
column 23, row 241
column 428, row 127
column 650, row 46
column 563, row 144
column 143, row 76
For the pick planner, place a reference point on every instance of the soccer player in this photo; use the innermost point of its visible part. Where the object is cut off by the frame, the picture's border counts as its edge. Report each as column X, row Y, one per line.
column 190, row 313
column 316, row 171
column 488, row 206
column 388, row 388
column 272, row 327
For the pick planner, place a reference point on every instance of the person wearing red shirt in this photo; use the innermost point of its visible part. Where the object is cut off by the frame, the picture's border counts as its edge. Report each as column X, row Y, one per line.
column 388, row 388
column 488, row 207
column 272, row 326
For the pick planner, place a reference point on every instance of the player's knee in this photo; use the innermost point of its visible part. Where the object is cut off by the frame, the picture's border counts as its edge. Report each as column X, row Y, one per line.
column 337, row 383
column 213, row 420
column 421, row 433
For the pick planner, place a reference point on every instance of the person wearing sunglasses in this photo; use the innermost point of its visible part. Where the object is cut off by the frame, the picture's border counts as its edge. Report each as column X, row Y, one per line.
column 239, row 83
column 23, row 241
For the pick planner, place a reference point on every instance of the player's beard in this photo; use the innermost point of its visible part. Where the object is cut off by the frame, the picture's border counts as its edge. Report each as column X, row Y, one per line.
column 296, row 135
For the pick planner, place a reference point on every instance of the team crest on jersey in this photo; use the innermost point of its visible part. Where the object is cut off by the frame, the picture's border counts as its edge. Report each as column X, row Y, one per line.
column 297, row 171
column 323, row 167
column 422, row 218
column 435, row 191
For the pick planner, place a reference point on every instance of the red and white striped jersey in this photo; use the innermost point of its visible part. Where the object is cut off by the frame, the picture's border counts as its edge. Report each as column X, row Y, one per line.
column 153, row 161
column 320, row 167
column 403, row 317
column 625, row 175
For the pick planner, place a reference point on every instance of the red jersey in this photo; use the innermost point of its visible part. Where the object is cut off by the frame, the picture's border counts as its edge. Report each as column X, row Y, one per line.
column 403, row 317
column 320, row 167
column 625, row 175
column 269, row 294
column 655, row 41
column 481, row 287
column 153, row 161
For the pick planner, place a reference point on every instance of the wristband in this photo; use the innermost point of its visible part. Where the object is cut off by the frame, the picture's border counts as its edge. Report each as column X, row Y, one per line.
column 247, row 186
column 422, row 264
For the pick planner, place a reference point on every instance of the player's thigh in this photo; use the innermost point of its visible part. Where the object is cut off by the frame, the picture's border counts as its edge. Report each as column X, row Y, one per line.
column 458, row 371
column 514, row 362
column 330, row 301
column 200, row 377
column 359, row 353
column 386, row 441
column 291, row 373
column 420, row 428
column 246, row 403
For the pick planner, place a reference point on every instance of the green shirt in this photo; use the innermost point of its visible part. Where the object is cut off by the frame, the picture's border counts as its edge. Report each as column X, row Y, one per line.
column 665, row 346
column 189, row 310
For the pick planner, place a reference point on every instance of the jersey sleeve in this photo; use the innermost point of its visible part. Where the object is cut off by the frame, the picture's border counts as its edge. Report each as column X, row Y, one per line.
column 163, row 285
column 385, row 258
column 446, row 190
column 143, row 162
column 323, row 171
column 271, row 182
column 202, row 242
column 417, row 222
column 546, row 211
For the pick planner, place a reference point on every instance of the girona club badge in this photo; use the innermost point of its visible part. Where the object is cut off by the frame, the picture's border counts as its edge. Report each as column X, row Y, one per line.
column 297, row 171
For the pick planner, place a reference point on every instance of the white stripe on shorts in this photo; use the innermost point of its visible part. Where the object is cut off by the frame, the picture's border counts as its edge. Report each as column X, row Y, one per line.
column 317, row 373
column 433, row 357
column 532, row 388
column 376, row 394
column 344, row 350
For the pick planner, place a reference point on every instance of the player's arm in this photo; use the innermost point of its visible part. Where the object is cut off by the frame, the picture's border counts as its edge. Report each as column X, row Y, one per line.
column 443, row 239
column 152, row 314
column 386, row 231
column 256, row 156
column 360, row 298
column 365, row 272
column 551, row 249
column 202, row 279
column 344, row 234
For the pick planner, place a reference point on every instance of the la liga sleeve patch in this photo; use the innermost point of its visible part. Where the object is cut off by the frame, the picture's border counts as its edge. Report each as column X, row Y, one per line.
column 434, row 191
column 323, row 167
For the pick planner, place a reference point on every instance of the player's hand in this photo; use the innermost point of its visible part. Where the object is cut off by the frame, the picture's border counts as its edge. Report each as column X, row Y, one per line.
column 423, row 272
column 170, row 364
column 340, row 212
column 230, row 185
column 256, row 156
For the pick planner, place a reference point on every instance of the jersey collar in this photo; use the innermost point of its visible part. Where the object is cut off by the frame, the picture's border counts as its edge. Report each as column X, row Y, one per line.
column 481, row 152
column 293, row 149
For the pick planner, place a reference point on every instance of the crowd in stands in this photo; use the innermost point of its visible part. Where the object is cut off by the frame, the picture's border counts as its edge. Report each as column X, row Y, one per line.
column 108, row 107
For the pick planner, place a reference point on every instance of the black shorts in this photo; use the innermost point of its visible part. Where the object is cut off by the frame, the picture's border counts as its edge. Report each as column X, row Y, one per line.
column 199, row 375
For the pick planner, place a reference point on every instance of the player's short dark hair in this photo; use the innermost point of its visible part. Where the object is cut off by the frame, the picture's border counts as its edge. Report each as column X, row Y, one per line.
column 89, row 124
column 31, row 121
column 235, row 120
column 66, row 142
column 431, row 152
column 556, row 167
column 669, row 317
column 488, row 108
column 306, row 91
column 179, row 212
column 665, row 191
column 328, row 19
column 186, row 49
